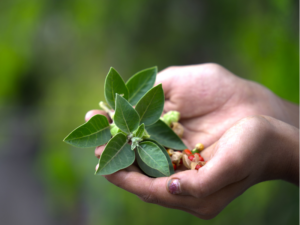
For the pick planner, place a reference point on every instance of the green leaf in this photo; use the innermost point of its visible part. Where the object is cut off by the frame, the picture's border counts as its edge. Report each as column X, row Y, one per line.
column 126, row 118
column 140, row 131
column 140, row 83
column 122, row 132
column 154, row 173
column 93, row 133
column 151, row 155
column 165, row 136
column 114, row 84
column 117, row 155
column 150, row 107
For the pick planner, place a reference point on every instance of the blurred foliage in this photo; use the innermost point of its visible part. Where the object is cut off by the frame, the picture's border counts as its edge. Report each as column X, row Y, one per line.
column 54, row 56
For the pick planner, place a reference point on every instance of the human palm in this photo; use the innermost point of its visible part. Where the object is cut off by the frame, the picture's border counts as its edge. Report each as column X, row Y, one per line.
column 211, row 99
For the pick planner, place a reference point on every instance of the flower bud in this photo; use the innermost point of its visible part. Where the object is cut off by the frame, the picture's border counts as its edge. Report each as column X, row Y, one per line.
column 171, row 117
column 113, row 129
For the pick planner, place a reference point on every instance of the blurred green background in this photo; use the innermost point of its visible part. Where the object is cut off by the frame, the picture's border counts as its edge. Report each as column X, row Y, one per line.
column 54, row 56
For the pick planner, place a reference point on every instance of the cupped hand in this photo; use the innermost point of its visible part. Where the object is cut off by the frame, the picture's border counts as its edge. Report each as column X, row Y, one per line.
column 212, row 101
column 253, row 150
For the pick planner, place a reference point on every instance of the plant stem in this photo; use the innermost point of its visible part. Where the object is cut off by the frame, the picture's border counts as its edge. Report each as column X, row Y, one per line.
column 106, row 109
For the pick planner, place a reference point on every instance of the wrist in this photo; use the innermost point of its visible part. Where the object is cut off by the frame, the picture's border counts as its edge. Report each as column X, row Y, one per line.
column 268, row 103
column 284, row 152
column 291, row 112
column 291, row 174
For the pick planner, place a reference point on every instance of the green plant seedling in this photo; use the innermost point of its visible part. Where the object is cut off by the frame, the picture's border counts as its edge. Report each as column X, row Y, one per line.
column 137, row 132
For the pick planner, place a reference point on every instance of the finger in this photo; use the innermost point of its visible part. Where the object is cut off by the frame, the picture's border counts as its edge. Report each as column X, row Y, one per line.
column 154, row 191
column 167, row 78
column 213, row 204
column 92, row 113
column 179, row 207
column 99, row 150
column 164, row 77
column 174, row 83
column 151, row 190
column 219, row 172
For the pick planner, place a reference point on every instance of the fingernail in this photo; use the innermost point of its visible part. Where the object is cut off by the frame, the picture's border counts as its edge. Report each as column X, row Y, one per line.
column 174, row 186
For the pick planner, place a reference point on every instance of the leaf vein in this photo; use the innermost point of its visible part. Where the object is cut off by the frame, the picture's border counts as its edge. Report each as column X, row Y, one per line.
column 89, row 134
column 148, row 105
column 141, row 86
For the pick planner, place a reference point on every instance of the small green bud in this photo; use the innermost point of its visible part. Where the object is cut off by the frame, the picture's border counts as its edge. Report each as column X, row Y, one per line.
column 113, row 129
column 135, row 142
column 171, row 117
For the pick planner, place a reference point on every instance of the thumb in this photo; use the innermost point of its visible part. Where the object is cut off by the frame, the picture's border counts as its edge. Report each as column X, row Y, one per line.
column 212, row 177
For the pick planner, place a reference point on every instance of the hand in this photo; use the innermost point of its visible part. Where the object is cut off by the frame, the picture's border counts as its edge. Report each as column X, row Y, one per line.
column 210, row 100
column 255, row 149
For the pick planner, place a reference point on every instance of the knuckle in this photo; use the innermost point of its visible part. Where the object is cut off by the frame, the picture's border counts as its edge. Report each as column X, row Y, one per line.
column 213, row 67
column 199, row 193
column 198, row 189
column 149, row 196
column 257, row 123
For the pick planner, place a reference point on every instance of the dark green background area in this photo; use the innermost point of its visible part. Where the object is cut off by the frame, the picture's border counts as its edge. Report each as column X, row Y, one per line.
column 54, row 56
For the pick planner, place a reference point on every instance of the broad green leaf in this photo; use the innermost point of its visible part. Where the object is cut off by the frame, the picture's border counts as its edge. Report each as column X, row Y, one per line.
column 154, row 158
column 151, row 105
column 147, row 169
column 117, row 155
column 140, row 83
column 165, row 136
column 126, row 118
column 93, row 133
column 114, row 84
column 140, row 131
column 152, row 172
column 122, row 132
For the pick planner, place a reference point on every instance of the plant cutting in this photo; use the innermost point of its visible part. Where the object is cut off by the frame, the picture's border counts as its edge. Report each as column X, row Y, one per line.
column 137, row 132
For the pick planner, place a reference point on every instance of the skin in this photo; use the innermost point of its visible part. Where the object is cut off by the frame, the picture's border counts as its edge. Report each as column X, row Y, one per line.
column 251, row 136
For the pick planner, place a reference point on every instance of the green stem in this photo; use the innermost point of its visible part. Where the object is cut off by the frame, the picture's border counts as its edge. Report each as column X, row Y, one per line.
column 107, row 110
